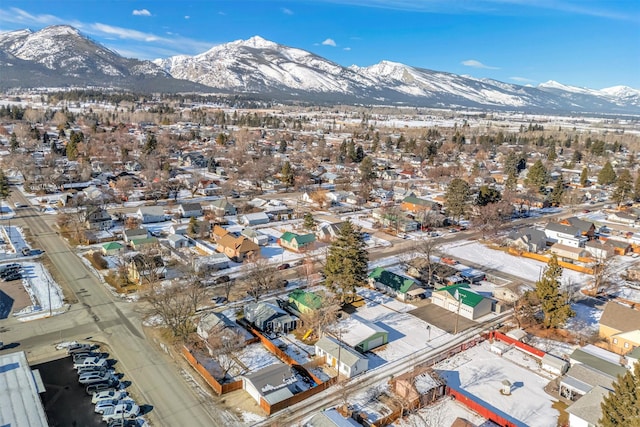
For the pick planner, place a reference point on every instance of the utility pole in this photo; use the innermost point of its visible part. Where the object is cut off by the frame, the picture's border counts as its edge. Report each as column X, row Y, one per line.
column 457, row 297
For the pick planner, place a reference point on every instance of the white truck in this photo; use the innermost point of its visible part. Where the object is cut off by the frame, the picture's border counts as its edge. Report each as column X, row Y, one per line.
column 91, row 361
column 127, row 410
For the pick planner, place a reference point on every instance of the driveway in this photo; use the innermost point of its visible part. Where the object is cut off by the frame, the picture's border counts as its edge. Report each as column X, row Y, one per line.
column 441, row 318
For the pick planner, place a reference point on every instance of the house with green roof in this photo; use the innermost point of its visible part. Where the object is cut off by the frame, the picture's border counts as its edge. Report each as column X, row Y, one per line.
column 460, row 298
column 112, row 248
column 296, row 242
column 305, row 302
column 399, row 286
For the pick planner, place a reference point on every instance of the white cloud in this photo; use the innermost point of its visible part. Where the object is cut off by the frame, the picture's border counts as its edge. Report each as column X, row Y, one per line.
column 347, row 49
column 329, row 42
column 521, row 79
column 187, row 17
column 477, row 64
column 141, row 12
column 287, row 11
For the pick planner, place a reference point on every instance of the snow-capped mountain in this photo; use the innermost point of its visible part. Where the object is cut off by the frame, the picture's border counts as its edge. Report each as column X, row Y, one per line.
column 62, row 56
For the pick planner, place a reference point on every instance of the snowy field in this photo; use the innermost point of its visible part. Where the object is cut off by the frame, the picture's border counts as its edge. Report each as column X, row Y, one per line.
column 479, row 373
column 524, row 268
column 253, row 358
column 44, row 292
column 442, row 413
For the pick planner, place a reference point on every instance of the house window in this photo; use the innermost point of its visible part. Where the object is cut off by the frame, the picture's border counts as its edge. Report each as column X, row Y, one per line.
column 615, row 340
column 626, row 345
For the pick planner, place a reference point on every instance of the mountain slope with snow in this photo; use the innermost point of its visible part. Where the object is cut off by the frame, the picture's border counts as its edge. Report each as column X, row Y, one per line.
column 61, row 56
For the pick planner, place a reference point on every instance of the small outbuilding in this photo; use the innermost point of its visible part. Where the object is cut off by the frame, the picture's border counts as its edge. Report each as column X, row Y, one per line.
column 338, row 355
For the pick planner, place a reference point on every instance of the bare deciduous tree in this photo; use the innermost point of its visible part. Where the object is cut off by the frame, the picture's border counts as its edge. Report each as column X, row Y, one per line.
column 222, row 342
column 259, row 278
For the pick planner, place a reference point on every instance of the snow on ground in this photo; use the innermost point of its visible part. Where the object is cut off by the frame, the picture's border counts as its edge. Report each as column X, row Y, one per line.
column 586, row 320
column 407, row 333
column 556, row 348
column 479, row 373
column 250, row 418
column 254, row 357
column 42, row 289
column 442, row 413
column 525, row 268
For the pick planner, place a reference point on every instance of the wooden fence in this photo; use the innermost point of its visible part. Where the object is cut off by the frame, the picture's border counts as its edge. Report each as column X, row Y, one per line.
column 213, row 383
column 519, row 344
column 478, row 408
column 545, row 259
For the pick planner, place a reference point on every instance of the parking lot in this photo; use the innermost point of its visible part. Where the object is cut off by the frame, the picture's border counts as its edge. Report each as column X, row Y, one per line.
column 441, row 318
column 65, row 402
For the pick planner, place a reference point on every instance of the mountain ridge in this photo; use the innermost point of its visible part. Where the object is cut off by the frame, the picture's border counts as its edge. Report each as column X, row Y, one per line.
column 61, row 55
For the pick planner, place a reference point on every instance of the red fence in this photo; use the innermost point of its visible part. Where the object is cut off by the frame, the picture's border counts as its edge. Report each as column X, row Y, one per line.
column 522, row 346
column 478, row 408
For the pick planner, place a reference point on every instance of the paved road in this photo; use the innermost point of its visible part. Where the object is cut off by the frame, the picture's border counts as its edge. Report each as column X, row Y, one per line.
column 99, row 315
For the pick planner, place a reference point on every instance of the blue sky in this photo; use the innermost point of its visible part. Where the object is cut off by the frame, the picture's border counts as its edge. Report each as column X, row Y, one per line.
column 588, row 43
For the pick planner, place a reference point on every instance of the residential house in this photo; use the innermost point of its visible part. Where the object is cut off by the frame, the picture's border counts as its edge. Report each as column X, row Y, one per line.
column 528, row 239
column 597, row 358
column 222, row 207
column 180, row 229
column 135, row 233
column 218, row 233
column 143, row 268
column 255, row 236
column 97, row 219
column 328, row 231
column 564, row 234
column 330, row 418
column 269, row 317
column 587, row 228
column 461, row 299
column 272, row 384
column 216, row 322
column 296, row 242
column 620, row 326
column 150, row 214
column 416, row 205
column 362, row 335
column 338, row 355
column 137, row 244
column 305, row 302
column 599, row 250
column 580, row 379
column 252, row 219
column 237, row 248
column 190, row 210
column 620, row 247
column 112, row 248
column 587, row 412
column 401, row 287
column 622, row 218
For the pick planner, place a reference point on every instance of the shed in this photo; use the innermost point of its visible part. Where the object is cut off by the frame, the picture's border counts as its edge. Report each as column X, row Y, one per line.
column 274, row 383
column 177, row 241
column 254, row 218
column 256, row 237
column 330, row 418
column 553, row 364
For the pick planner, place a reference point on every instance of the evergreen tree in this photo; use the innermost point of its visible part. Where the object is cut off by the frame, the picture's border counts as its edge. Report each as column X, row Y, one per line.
column 72, row 150
column 5, row 190
column 636, row 188
column 309, row 223
column 555, row 306
column 584, row 176
column 13, row 143
column 624, row 187
column 457, row 197
column 367, row 173
column 555, row 198
column 607, row 175
column 287, row 175
column 487, row 195
column 537, row 177
column 621, row 407
column 551, row 154
column 577, row 156
column 193, row 227
column 151, row 144
column 347, row 262
column 512, row 182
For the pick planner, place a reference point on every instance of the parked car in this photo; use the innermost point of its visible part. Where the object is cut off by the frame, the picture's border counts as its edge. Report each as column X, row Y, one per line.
column 81, row 347
column 78, row 357
column 219, row 300
column 221, row 279
column 109, row 394
column 5, row 267
column 103, row 405
column 94, row 377
column 91, row 361
column 137, row 422
column 283, row 266
column 124, row 410
column 108, row 385
column 12, row 277
column 87, row 369
column 19, row 205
